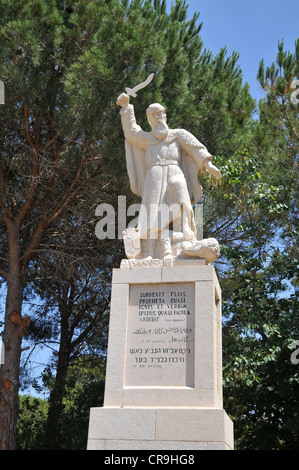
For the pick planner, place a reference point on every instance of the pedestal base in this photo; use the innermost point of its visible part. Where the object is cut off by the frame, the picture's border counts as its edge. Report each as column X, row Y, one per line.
column 164, row 365
column 159, row 429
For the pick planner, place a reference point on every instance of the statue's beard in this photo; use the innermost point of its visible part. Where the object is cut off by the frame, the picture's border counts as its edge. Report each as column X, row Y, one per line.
column 160, row 130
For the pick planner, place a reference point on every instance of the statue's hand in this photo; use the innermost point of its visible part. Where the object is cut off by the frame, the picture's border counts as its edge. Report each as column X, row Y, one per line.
column 213, row 170
column 123, row 100
column 216, row 173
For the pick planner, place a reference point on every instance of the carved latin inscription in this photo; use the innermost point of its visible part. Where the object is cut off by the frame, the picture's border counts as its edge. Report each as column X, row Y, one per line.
column 160, row 336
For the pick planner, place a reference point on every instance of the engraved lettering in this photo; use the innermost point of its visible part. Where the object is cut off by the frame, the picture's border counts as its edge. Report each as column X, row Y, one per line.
column 160, row 335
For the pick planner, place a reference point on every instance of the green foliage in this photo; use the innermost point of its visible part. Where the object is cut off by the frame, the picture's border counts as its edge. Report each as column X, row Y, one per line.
column 31, row 423
column 259, row 275
column 261, row 322
column 84, row 389
column 277, row 109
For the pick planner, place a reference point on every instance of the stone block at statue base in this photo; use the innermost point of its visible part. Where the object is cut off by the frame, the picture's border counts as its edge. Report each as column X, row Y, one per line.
column 160, row 429
column 163, row 385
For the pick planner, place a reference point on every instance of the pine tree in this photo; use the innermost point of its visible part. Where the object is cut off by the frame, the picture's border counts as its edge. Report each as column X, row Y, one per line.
column 260, row 281
column 63, row 67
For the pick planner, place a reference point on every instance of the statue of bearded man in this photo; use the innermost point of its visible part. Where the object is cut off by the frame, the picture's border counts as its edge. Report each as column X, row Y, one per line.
column 164, row 167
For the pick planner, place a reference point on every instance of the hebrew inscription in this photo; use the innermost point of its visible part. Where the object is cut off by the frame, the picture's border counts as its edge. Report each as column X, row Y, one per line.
column 160, row 336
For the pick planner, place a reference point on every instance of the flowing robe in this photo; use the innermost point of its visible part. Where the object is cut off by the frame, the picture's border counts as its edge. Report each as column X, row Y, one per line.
column 164, row 173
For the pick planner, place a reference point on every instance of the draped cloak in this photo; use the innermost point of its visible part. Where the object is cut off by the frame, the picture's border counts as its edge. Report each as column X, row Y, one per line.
column 163, row 172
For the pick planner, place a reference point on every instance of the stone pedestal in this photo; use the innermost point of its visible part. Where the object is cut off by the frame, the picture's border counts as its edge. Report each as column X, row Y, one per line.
column 164, row 366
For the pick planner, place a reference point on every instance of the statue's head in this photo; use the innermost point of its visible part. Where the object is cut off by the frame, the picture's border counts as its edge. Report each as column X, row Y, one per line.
column 157, row 118
column 155, row 113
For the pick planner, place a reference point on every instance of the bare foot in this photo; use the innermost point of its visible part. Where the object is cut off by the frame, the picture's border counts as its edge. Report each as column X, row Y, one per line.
column 168, row 260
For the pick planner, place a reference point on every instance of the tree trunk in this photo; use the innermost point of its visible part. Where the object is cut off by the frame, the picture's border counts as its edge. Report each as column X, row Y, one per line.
column 14, row 329
column 52, row 432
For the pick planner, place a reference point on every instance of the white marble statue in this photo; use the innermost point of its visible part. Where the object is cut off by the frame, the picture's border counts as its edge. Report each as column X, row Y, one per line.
column 164, row 167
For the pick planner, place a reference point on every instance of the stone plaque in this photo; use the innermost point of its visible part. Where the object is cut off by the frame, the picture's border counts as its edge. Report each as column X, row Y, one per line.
column 160, row 336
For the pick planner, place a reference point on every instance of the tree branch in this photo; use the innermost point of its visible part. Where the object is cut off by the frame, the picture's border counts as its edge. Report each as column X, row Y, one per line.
column 27, row 127
column 292, row 128
column 78, row 174
column 37, row 236
column 45, row 221
column 3, row 273
column 85, row 332
column 69, row 196
column 34, row 172
column 54, row 138
column 3, row 203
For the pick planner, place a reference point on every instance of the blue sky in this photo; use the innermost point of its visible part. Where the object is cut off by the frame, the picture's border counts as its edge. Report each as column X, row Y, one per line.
column 251, row 28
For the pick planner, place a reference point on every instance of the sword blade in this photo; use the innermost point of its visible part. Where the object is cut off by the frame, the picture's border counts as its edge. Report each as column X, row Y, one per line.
column 132, row 91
